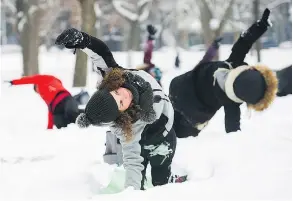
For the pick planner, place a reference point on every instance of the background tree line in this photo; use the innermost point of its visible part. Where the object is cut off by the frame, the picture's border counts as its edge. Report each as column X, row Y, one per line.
column 37, row 22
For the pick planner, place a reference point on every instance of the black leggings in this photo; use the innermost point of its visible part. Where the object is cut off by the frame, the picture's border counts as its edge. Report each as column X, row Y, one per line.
column 160, row 161
column 66, row 112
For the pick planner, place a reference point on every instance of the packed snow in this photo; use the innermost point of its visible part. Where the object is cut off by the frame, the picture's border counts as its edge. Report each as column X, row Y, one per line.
column 67, row 164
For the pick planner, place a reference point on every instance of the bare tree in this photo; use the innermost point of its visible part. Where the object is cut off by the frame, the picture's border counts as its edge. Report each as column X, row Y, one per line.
column 207, row 17
column 48, row 24
column 210, row 27
column 256, row 17
column 88, row 17
column 163, row 14
column 135, row 13
column 7, row 6
column 105, row 13
column 29, row 21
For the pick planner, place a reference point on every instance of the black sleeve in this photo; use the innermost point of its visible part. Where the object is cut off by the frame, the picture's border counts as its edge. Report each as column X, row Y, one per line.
column 232, row 117
column 100, row 48
column 245, row 42
column 285, row 81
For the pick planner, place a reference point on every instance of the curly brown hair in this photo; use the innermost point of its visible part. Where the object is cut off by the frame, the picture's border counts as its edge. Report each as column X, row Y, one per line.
column 113, row 81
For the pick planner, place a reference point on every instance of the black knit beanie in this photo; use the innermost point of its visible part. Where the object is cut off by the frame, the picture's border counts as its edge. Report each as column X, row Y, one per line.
column 101, row 108
column 250, row 86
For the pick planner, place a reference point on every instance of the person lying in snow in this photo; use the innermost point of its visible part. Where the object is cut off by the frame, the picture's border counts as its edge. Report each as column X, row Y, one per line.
column 198, row 94
column 62, row 107
column 147, row 65
column 133, row 105
column 285, row 81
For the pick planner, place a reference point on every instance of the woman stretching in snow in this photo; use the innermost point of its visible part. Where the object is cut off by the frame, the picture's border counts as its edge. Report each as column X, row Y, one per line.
column 62, row 107
column 133, row 105
column 211, row 85
column 113, row 153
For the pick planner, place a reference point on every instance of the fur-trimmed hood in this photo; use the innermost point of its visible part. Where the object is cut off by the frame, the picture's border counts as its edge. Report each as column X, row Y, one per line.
column 271, row 90
column 226, row 79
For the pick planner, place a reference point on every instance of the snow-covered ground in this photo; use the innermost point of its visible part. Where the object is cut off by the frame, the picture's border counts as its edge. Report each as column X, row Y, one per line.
column 37, row 164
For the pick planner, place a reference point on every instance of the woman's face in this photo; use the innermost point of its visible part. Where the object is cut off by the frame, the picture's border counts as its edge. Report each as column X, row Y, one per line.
column 123, row 98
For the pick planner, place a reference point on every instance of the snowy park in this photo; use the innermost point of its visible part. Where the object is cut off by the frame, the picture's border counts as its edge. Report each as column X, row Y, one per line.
column 39, row 164
column 145, row 100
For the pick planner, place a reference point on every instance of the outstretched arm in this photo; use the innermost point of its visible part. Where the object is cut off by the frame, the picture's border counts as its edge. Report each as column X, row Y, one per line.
column 211, row 52
column 34, row 79
column 247, row 38
column 149, row 46
column 92, row 46
column 98, row 50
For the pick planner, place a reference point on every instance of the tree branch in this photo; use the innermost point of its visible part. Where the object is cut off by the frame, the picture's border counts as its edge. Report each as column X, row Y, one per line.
column 207, row 9
column 123, row 12
column 143, row 11
column 225, row 17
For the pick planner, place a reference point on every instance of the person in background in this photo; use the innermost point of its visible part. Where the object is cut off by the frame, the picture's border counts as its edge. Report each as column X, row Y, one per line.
column 147, row 65
column 177, row 60
column 62, row 107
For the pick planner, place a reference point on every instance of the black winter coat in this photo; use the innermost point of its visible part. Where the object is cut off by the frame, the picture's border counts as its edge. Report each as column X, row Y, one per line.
column 196, row 96
column 203, row 98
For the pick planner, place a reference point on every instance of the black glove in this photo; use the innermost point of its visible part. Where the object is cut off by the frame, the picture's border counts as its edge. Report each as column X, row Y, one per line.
column 265, row 18
column 252, row 34
column 152, row 31
column 9, row 82
column 216, row 42
column 72, row 38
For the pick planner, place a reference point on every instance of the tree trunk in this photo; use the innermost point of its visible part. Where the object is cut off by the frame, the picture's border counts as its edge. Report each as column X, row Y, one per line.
column 30, row 39
column 24, row 39
column 125, row 29
column 256, row 17
column 134, row 36
column 88, row 24
column 133, row 40
column 205, row 17
column 34, row 39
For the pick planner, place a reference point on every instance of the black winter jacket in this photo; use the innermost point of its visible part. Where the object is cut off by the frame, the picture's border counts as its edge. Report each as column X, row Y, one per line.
column 196, row 96
column 203, row 96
